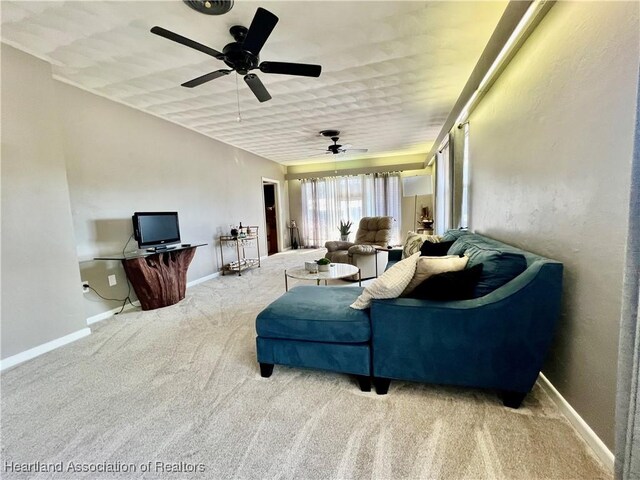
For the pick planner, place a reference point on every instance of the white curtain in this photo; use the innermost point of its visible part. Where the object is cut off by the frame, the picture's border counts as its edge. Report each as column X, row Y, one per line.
column 444, row 185
column 627, row 465
column 329, row 200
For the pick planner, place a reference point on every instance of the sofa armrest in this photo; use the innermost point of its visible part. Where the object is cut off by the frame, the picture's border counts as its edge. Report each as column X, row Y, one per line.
column 337, row 245
column 362, row 249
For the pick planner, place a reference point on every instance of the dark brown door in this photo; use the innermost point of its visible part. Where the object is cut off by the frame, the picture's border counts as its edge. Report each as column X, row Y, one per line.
column 270, row 216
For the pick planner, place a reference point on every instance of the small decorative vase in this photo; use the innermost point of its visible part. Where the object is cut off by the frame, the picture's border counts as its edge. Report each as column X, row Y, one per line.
column 323, row 268
column 234, row 232
column 344, row 238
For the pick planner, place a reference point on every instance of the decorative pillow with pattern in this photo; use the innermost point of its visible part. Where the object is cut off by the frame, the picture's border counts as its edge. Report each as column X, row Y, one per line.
column 390, row 284
column 415, row 240
column 428, row 266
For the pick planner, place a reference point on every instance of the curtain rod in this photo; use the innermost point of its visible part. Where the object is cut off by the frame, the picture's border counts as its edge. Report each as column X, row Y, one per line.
column 400, row 167
column 349, row 175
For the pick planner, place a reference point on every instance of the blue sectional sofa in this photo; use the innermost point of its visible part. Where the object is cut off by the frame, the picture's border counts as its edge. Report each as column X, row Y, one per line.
column 496, row 341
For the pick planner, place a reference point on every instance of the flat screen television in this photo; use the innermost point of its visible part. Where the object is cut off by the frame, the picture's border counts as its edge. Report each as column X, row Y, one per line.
column 156, row 229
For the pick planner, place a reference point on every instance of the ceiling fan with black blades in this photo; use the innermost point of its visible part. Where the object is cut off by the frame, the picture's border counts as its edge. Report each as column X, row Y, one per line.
column 336, row 148
column 243, row 55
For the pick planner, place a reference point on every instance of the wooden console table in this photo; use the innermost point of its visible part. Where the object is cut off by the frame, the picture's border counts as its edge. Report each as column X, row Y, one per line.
column 159, row 278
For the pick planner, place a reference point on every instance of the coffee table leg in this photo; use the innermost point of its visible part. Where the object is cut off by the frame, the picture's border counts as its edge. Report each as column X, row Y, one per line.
column 286, row 285
column 325, row 283
column 318, row 282
column 359, row 277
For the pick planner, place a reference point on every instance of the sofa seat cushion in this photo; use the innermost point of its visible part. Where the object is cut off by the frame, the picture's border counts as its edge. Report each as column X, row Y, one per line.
column 498, row 267
column 317, row 314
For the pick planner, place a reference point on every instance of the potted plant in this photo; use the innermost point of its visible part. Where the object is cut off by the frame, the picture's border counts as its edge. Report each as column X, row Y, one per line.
column 345, row 230
column 323, row 264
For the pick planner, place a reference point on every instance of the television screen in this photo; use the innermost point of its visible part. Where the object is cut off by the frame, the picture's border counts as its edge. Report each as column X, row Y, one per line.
column 152, row 229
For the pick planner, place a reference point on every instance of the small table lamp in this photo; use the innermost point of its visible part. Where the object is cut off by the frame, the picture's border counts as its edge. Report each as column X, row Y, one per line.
column 414, row 186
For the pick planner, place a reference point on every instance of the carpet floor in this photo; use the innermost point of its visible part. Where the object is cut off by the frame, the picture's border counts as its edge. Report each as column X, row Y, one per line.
column 176, row 393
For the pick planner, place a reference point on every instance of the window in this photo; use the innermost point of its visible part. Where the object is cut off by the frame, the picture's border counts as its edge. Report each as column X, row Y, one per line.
column 464, row 207
column 327, row 201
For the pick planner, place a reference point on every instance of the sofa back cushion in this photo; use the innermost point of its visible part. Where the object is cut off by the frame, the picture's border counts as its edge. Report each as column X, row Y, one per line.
column 499, row 266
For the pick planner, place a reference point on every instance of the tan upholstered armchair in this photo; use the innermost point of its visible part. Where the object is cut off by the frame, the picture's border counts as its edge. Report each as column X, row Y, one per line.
column 372, row 232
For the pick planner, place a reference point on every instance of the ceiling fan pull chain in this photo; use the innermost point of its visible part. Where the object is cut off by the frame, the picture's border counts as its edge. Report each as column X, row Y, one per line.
column 238, row 98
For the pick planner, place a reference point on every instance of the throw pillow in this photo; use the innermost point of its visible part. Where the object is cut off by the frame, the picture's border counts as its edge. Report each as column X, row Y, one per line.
column 414, row 241
column 431, row 249
column 390, row 284
column 429, row 266
column 499, row 267
column 447, row 286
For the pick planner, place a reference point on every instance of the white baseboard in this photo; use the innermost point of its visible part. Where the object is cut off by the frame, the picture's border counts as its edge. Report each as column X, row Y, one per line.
column 202, row 279
column 110, row 313
column 44, row 348
column 599, row 448
column 59, row 342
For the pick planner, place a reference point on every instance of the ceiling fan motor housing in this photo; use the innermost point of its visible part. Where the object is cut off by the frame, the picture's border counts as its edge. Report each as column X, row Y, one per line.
column 235, row 56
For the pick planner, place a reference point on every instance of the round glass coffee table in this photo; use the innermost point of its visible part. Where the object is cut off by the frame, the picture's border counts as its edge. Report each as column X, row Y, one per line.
column 336, row 270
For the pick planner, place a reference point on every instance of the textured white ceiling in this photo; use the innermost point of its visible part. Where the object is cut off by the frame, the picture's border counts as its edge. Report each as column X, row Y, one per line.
column 391, row 70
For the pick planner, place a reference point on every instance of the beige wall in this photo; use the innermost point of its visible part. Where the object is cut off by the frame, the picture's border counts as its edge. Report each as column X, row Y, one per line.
column 550, row 150
column 41, row 292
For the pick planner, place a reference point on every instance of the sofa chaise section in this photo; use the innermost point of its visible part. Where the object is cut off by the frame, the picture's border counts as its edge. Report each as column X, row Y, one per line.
column 313, row 327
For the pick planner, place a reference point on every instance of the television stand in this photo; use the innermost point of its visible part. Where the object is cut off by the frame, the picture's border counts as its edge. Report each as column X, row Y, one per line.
column 159, row 278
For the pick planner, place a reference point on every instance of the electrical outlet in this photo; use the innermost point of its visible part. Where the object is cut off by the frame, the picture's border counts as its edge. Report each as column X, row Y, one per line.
column 85, row 289
column 112, row 280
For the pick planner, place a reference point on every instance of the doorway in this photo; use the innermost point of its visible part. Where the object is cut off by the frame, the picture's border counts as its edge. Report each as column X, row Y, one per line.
column 271, row 217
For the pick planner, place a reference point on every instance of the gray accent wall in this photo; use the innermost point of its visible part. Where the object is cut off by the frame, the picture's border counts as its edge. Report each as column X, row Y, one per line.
column 550, row 151
column 41, row 292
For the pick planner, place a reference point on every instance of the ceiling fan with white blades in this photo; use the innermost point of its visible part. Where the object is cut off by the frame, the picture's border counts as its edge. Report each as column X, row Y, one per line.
column 243, row 55
column 336, row 148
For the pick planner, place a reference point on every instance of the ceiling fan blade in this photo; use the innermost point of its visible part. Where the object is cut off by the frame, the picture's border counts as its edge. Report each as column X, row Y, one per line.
column 206, row 78
column 186, row 41
column 356, row 150
column 257, row 87
column 261, row 27
column 286, row 68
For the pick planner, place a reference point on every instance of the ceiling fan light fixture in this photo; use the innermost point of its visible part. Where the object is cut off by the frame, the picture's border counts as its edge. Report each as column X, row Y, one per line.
column 210, row 7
